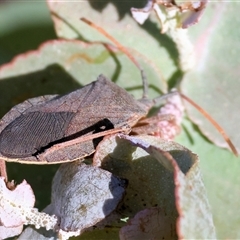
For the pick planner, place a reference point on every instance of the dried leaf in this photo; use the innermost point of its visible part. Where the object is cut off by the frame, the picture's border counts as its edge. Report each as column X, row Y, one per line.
column 189, row 12
column 141, row 15
column 16, row 209
column 192, row 11
column 191, row 18
column 41, row 233
column 15, row 203
column 7, row 232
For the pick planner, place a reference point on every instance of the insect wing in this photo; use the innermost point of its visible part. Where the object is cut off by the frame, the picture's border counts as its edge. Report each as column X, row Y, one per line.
column 31, row 135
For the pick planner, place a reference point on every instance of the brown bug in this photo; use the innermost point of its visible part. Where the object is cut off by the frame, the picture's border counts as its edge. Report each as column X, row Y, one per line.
column 53, row 129
column 50, row 129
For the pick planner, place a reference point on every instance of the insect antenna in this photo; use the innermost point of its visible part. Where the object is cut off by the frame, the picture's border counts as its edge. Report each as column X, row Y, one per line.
column 159, row 99
column 213, row 122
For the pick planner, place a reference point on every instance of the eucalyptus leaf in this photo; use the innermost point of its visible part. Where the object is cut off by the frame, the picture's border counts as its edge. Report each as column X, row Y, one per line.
column 60, row 66
column 16, row 209
column 115, row 18
column 214, row 86
column 214, row 82
column 83, row 195
column 150, row 223
column 7, row 232
column 24, row 25
column 15, row 204
column 220, row 170
column 39, row 234
column 163, row 170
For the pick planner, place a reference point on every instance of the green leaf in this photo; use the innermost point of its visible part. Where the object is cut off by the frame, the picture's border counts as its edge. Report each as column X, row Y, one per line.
column 60, row 66
column 214, row 86
column 40, row 234
column 24, row 25
column 165, row 170
column 220, row 170
column 214, row 83
column 115, row 18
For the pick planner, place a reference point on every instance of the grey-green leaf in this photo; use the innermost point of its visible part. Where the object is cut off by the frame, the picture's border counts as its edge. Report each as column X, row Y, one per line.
column 176, row 186
column 83, row 195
